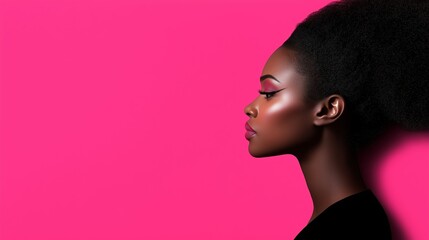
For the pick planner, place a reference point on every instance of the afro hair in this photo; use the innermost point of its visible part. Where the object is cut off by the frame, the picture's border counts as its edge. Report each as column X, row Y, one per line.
column 374, row 53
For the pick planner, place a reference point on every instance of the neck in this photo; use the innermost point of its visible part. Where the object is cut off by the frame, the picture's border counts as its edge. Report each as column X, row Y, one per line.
column 331, row 172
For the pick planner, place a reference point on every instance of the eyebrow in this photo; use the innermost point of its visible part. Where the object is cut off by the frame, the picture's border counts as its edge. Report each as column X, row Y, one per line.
column 263, row 77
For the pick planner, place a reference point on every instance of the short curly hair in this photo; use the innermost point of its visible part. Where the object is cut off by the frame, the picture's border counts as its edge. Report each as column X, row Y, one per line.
column 374, row 53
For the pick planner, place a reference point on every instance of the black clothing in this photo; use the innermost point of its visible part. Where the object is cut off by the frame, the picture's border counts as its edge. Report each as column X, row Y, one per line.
column 358, row 216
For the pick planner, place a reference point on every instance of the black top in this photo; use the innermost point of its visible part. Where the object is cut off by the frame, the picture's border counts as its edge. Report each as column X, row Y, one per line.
column 358, row 216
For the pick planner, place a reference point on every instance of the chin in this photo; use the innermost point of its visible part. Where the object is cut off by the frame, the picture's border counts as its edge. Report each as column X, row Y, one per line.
column 260, row 153
column 256, row 153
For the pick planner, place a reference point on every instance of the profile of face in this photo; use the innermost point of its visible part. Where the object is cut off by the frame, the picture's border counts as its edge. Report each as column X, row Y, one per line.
column 281, row 121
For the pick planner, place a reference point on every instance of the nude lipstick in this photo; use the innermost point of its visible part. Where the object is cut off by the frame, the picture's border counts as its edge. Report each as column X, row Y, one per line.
column 250, row 132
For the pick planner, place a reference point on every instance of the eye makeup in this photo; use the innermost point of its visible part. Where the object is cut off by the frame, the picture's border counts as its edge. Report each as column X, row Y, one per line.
column 268, row 87
column 269, row 94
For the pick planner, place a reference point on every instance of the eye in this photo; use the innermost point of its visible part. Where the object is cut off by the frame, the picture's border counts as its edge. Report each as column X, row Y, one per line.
column 268, row 95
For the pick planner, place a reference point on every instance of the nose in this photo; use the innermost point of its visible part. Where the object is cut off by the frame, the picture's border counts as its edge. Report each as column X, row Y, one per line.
column 250, row 110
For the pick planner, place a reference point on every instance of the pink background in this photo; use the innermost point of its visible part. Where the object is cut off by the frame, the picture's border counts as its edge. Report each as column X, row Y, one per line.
column 124, row 120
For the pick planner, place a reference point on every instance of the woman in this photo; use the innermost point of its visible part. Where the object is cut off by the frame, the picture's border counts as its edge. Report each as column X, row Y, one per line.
column 347, row 73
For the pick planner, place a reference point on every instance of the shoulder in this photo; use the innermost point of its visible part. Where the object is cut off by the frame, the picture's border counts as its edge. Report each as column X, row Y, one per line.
column 359, row 216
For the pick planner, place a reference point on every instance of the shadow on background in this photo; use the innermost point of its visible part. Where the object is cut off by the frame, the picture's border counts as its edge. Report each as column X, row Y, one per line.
column 371, row 160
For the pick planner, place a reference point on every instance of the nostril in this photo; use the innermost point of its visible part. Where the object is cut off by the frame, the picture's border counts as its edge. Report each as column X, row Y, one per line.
column 250, row 113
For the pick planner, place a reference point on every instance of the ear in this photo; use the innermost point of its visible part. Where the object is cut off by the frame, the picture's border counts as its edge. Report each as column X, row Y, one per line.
column 328, row 110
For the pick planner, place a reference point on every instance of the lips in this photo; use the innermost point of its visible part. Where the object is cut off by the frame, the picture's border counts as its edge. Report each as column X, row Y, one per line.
column 249, row 128
column 250, row 132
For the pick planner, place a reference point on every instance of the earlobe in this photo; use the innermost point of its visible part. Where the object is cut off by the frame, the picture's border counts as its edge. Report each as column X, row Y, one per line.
column 329, row 110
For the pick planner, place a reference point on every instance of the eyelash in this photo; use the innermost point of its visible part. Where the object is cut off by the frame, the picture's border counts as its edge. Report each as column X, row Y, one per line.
column 267, row 93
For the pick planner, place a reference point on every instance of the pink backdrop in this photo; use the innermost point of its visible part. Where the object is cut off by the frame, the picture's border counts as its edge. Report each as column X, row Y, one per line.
column 124, row 120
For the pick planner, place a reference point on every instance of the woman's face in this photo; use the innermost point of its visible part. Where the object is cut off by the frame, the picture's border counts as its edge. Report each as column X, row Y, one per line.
column 281, row 120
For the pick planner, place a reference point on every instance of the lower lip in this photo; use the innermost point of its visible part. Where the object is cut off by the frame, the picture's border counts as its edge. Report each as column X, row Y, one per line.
column 249, row 134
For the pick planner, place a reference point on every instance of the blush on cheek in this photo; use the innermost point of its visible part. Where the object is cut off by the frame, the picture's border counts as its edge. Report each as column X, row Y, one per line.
column 276, row 117
column 286, row 115
column 285, row 107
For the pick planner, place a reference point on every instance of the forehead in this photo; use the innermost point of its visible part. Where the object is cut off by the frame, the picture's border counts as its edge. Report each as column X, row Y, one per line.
column 281, row 64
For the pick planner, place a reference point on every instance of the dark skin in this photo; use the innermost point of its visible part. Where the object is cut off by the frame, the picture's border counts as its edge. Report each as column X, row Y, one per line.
column 315, row 132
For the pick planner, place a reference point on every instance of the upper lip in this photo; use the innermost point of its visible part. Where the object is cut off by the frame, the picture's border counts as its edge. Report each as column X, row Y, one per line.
column 248, row 127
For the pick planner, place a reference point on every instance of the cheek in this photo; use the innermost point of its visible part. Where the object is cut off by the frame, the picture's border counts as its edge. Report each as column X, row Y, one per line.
column 285, row 117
